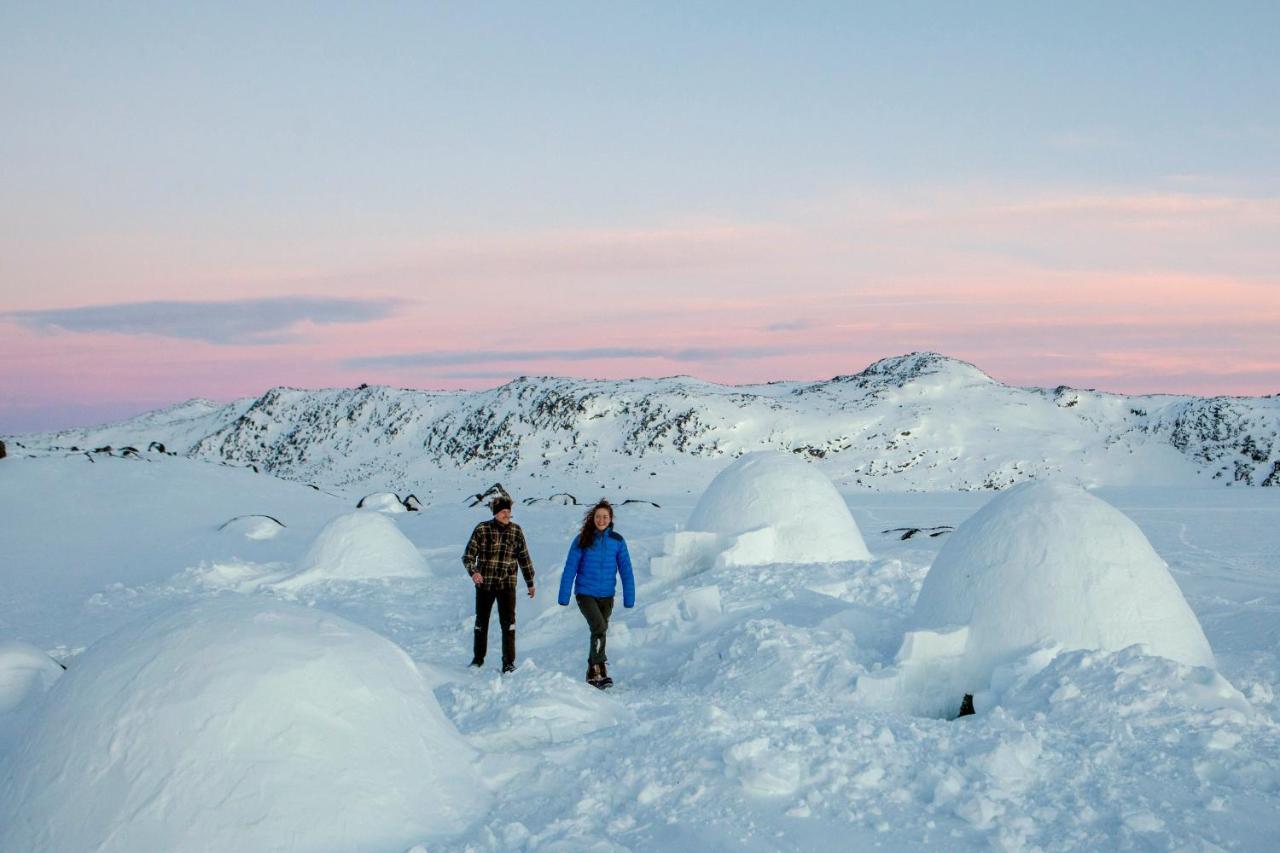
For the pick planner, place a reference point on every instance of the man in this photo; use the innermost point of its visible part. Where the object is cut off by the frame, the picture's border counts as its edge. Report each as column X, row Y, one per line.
column 496, row 548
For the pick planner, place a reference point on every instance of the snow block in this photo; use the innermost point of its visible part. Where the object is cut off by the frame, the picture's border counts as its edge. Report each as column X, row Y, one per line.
column 685, row 553
column 695, row 605
column 239, row 724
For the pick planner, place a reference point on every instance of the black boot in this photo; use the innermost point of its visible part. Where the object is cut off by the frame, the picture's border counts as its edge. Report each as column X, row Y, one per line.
column 605, row 680
column 479, row 646
column 509, row 650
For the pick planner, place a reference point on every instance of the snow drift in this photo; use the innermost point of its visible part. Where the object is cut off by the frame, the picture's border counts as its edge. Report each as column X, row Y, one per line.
column 239, row 724
column 360, row 545
column 1042, row 567
column 767, row 507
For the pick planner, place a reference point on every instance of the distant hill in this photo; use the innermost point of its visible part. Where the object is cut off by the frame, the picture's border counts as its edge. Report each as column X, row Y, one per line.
column 915, row 422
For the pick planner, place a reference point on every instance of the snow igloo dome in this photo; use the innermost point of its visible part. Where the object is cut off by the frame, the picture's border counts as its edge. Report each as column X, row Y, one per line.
column 239, row 724
column 767, row 507
column 361, row 545
column 1041, row 565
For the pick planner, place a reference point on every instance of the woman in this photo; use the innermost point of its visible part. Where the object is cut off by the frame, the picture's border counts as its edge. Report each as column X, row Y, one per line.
column 596, row 558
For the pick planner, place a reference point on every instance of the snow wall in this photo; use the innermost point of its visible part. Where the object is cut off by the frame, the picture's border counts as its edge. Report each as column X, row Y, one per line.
column 238, row 724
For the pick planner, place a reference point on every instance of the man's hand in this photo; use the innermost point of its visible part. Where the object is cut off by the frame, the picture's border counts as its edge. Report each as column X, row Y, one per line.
column 477, row 578
column 531, row 592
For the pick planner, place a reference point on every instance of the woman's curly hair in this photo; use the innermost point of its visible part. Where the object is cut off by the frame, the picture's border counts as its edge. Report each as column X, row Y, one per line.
column 588, row 533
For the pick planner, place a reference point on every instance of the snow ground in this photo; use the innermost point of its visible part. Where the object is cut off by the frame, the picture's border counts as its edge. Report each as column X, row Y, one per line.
column 734, row 724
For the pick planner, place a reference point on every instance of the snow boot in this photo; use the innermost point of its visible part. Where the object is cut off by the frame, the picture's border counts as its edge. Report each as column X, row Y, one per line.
column 508, row 667
column 605, row 681
column 593, row 674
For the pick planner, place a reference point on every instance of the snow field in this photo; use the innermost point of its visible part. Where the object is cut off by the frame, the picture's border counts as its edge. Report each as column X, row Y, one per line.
column 735, row 723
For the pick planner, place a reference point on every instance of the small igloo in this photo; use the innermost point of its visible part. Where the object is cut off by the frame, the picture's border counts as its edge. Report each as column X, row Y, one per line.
column 1042, row 566
column 25, row 671
column 361, row 545
column 767, row 507
column 239, row 724
column 256, row 527
column 383, row 502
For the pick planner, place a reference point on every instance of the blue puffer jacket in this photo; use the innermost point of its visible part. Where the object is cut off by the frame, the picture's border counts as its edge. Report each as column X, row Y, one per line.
column 595, row 570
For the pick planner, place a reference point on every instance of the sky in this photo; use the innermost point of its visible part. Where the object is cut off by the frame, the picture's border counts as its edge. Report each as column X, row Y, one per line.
column 212, row 200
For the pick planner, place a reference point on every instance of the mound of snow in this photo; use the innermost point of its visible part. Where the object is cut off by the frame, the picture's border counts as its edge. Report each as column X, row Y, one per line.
column 383, row 502
column 239, row 724
column 531, row 707
column 24, row 671
column 1042, row 566
column 256, row 527
column 767, row 507
column 361, row 545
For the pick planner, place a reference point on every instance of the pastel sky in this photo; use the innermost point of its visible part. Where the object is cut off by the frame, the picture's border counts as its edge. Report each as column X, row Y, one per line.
column 210, row 200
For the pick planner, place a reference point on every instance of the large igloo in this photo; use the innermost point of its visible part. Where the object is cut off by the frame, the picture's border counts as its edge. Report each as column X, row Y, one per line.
column 767, row 507
column 240, row 723
column 1042, row 566
column 361, row 545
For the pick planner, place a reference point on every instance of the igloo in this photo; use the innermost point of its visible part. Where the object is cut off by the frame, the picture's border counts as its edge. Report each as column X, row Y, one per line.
column 383, row 502
column 25, row 671
column 1043, row 566
column 256, row 527
column 240, row 723
column 767, row 507
column 360, row 545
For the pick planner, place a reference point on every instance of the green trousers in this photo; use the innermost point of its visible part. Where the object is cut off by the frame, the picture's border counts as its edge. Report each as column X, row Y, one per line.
column 596, row 611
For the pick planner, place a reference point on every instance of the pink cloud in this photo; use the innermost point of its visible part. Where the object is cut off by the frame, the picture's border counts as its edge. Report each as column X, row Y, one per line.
column 1036, row 288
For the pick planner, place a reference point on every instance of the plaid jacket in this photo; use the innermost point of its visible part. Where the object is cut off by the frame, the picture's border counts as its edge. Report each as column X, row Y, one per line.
column 495, row 550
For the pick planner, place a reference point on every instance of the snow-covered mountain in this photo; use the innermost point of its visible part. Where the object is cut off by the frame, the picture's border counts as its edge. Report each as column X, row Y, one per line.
column 916, row 422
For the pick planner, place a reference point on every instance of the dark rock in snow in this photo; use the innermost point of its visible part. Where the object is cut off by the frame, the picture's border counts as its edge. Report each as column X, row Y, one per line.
column 412, row 503
column 908, row 532
column 494, row 491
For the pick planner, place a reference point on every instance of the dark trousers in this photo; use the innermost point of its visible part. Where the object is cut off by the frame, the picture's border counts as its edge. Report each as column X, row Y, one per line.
column 506, row 598
column 596, row 611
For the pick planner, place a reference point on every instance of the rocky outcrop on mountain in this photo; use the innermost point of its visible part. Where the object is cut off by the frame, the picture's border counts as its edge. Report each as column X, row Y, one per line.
column 1238, row 443
column 920, row 421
